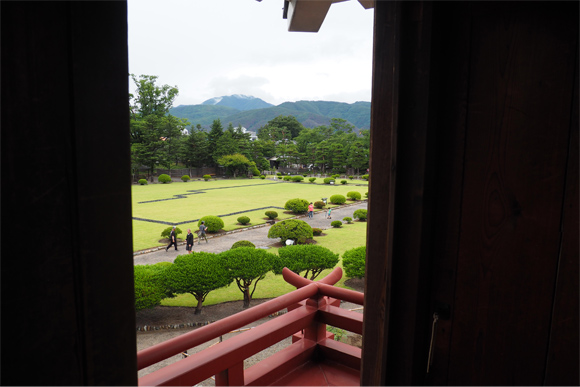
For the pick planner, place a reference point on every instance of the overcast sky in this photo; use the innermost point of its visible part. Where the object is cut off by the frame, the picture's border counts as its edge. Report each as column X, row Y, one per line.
column 212, row 48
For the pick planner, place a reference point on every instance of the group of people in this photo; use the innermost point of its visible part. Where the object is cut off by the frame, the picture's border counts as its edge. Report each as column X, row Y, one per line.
column 311, row 211
column 189, row 238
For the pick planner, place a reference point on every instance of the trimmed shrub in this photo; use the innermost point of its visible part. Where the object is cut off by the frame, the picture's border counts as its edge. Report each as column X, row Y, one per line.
column 167, row 232
column 262, row 177
column 286, row 178
column 197, row 274
column 360, row 214
column 297, row 230
column 337, row 199
column 150, row 286
column 206, row 177
column 142, row 181
column 353, row 262
column 244, row 220
column 255, row 171
column 365, row 177
column 347, row 219
column 164, row 179
column 350, row 177
column 247, row 266
column 327, row 180
column 312, row 179
column 316, row 231
column 343, row 182
column 336, row 176
column 297, row 179
column 353, row 195
column 367, row 194
column 242, row 244
column 319, row 204
column 278, row 173
column 297, row 206
column 185, row 178
column 213, row 223
column 271, row 214
column 310, row 259
column 304, row 174
column 336, row 224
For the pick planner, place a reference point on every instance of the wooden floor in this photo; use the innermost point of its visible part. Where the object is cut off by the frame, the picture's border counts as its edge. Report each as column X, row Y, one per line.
column 321, row 374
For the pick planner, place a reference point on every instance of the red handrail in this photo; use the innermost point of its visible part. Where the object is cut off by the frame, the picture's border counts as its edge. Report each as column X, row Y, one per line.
column 226, row 359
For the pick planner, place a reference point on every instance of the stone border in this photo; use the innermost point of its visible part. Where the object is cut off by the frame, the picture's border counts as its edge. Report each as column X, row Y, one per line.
column 146, row 328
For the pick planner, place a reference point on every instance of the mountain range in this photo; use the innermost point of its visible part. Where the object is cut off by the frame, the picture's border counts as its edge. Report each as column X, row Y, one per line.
column 253, row 113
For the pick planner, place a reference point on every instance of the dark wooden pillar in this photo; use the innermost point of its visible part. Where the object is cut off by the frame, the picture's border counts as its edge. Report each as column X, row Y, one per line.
column 67, row 270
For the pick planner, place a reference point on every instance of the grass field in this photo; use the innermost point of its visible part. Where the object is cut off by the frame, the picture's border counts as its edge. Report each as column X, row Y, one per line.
column 192, row 200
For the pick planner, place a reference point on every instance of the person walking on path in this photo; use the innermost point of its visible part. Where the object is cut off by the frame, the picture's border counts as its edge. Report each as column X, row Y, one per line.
column 202, row 228
column 310, row 210
column 189, row 241
column 172, row 240
column 328, row 214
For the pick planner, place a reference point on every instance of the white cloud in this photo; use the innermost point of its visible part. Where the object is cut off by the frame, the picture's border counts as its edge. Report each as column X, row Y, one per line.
column 210, row 48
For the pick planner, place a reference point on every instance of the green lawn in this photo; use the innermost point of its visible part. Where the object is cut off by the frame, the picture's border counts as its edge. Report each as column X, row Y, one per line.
column 338, row 240
column 219, row 197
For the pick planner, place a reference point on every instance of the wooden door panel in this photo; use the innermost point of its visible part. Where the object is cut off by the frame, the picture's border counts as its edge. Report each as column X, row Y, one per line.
column 522, row 66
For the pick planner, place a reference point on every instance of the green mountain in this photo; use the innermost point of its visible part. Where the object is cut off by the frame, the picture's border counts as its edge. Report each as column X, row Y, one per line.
column 309, row 113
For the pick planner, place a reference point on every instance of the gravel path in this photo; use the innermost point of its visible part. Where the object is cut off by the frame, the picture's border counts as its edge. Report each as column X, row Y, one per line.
column 257, row 235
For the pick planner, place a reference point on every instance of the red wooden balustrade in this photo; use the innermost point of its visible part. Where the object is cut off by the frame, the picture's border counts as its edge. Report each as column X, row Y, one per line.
column 310, row 307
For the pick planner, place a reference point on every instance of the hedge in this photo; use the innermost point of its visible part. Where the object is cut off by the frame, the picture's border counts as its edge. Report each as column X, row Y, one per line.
column 353, row 262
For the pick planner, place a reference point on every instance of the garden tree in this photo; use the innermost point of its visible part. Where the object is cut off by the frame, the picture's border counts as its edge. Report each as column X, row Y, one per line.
column 197, row 274
column 338, row 157
column 247, row 266
column 365, row 135
column 357, row 156
column 194, row 149
column 216, row 131
column 309, row 157
column 341, row 125
column 150, row 124
column 225, row 145
column 150, row 286
column 235, row 163
column 308, row 137
column 244, row 142
column 323, row 155
column 297, row 230
column 280, row 128
column 173, row 129
column 310, row 259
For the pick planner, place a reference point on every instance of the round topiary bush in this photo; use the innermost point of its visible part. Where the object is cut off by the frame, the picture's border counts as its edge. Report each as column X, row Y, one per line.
column 353, row 262
column 319, row 204
column 336, row 224
column 316, row 231
column 242, row 244
column 164, row 179
column 297, row 179
column 297, row 206
column 327, row 180
column 367, row 194
column 262, row 177
column 365, row 177
column 243, row 220
column 278, row 173
column 297, row 230
column 312, row 179
column 343, row 182
column 360, row 214
column 142, row 181
column 271, row 214
column 206, row 177
column 165, row 233
column 347, row 219
column 353, row 195
column 213, row 223
column 287, row 178
column 304, row 174
column 337, row 199
column 350, row 177
column 185, row 178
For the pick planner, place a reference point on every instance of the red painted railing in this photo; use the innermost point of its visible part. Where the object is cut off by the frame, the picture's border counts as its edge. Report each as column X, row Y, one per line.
column 310, row 307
